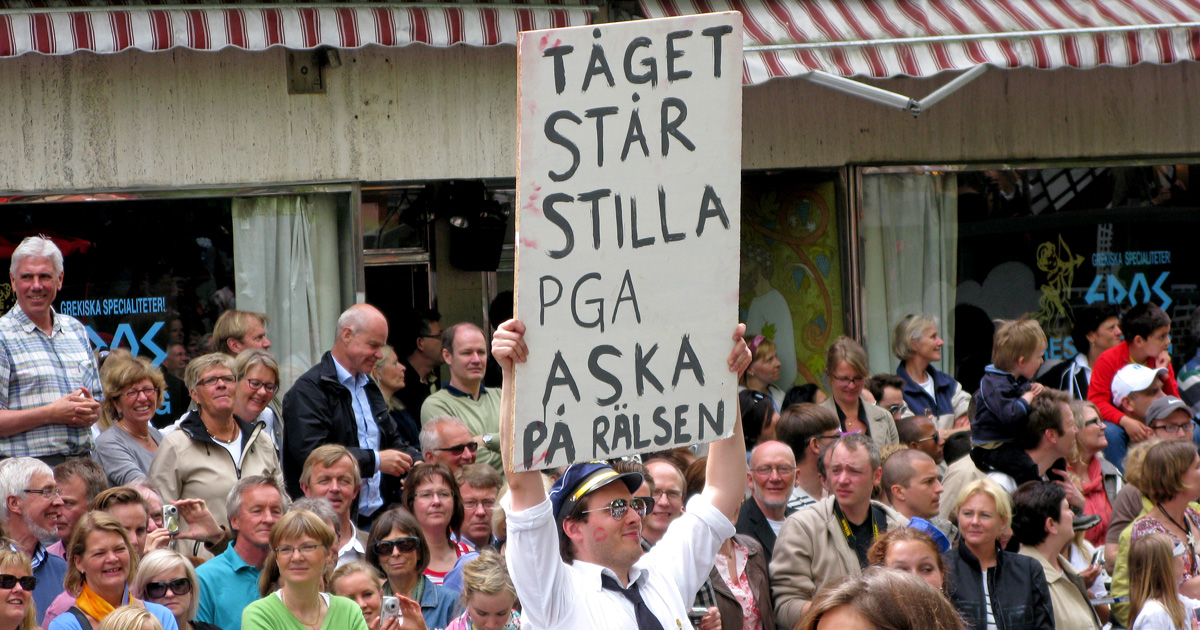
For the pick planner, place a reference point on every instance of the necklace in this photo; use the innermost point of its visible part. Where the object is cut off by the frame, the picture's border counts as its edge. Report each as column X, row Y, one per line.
column 232, row 437
column 1187, row 529
column 309, row 624
column 145, row 438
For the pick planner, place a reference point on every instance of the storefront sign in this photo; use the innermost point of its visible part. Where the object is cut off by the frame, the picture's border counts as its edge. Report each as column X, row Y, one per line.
column 628, row 226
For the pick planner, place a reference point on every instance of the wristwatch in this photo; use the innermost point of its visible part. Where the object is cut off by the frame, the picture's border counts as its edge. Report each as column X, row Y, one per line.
column 489, row 442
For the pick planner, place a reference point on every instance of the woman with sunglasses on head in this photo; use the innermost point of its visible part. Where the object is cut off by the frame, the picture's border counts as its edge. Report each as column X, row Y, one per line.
column 300, row 545
column 257, row 376
column 129, row 442
column 389, row 376
column 764, row 370
column 101, row 560
column 396, row 547
column 16, row 591
column 167, row 578
column 431, row 494
column 212, row 448
column 1097, row 479
column 363, row 583
column 847, row 373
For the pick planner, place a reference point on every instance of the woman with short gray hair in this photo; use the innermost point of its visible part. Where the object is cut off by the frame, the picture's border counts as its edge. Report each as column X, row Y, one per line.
column 927, row 390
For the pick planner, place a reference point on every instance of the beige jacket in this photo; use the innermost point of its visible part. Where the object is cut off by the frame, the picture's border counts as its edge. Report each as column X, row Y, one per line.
column 811, row 551
column 883, row 427
column 190, row 465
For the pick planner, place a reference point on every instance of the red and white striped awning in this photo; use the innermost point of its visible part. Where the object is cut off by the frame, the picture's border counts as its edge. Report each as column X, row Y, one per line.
column 884, row 38
column 59, row 27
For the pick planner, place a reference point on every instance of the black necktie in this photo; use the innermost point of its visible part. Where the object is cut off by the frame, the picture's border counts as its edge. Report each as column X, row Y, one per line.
column 645, row 619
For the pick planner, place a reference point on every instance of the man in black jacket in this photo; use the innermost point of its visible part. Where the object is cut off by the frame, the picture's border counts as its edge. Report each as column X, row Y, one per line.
column 771, row 476
column 336, row 402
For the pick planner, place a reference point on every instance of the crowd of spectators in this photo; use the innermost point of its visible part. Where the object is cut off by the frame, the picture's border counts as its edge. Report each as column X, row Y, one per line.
column 371, row 494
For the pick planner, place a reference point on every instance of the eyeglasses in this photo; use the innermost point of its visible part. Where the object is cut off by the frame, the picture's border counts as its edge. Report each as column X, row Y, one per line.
column 149, row 392
column 826, row 437
column 937, row 437
column 257, row 384
column 471, row 506
column 27, row 582
column 783, row 470
column 213, row 380
column 429, row 495
column 458, row 449
column 895, row 409
column 1094, row 422
column 848, row 380
column 1171, row 429
column 618, row 507
column 406, row 544
column 49, row 493
column 158, row 590
column 303, row 549
column 674, row 496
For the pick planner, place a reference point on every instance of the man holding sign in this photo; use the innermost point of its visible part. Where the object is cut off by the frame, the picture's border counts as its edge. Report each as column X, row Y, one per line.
column 600, row 578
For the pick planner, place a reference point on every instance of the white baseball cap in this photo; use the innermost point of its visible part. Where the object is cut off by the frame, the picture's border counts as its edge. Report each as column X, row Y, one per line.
column 1133, row 378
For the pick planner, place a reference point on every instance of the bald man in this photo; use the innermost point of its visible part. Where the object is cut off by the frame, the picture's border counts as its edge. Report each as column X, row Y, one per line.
column 771, row 476
column 336, row 402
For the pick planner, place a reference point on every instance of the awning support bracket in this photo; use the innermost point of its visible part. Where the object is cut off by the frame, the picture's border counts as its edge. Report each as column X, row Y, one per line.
column 892, row 99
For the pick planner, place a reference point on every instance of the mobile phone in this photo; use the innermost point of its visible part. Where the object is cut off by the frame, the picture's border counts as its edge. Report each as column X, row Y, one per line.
column 390, row 608
column 696, row 614
column 171, row 519
column 1098, row 557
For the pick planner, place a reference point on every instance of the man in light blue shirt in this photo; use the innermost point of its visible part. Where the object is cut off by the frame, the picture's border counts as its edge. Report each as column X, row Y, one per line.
column 229, row 582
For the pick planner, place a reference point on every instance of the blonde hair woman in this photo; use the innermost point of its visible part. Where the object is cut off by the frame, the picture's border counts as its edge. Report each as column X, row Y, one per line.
column 134, row 391
column 488, row 596
column 363, row 583
column 300, row 546
column 100, row 561
column 16, row 584
column 167, row 578
column 1156, row 565
column 130, row 618
column 388, row 374
column 993, row 587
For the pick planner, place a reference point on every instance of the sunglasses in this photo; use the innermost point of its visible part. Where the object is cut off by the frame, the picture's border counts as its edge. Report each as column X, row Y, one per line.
column 405, row 545
column 156, row 590
column 618, row 507
column 8, row 581
column 457, row 450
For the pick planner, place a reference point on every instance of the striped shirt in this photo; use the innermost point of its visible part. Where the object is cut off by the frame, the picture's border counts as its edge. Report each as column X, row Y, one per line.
column 37, row 369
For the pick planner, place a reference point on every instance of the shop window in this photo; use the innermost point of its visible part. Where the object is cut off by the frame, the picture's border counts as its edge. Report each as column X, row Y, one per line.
column 140, row 275
column 1001, row 243
column 792, row 274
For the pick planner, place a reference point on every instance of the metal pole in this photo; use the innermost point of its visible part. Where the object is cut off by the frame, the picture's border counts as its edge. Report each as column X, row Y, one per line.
column 972, row 37
column 862, row 90
column 948, row 89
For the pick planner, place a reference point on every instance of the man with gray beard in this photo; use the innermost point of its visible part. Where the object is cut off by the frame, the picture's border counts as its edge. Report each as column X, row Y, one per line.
column 32, row 500
column 771, row 476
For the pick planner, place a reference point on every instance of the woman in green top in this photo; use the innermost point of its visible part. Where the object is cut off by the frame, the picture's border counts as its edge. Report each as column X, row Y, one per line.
column 300, row 545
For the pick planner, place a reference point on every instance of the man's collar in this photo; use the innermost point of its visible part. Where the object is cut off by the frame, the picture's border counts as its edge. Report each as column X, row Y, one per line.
column 28, row 325
column 458, row 393
column 592, row 572
column 354, row 544
column 346, row 378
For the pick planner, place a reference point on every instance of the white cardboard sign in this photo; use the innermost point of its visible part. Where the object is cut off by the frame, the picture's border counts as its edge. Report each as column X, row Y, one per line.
column 628, row 236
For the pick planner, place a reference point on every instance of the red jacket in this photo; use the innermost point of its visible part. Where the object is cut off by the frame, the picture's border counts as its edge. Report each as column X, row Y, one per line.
column 1107, row 365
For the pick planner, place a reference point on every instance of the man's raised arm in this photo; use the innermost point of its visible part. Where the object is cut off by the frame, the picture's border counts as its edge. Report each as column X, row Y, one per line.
column 726, row 469
column 508, row 348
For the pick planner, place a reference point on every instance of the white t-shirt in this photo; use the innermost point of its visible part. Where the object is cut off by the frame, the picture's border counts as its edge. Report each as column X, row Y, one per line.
column 929, row 389
column 234, row 448
column 775, row 526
